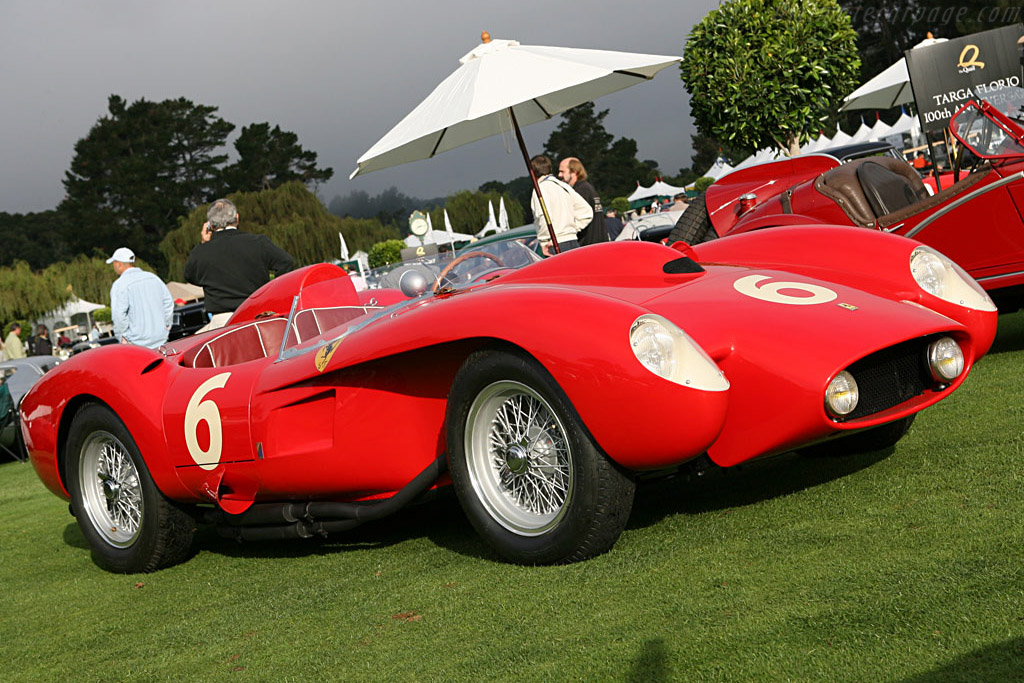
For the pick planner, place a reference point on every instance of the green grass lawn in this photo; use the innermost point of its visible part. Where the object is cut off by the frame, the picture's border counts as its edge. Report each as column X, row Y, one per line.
column 893, row 566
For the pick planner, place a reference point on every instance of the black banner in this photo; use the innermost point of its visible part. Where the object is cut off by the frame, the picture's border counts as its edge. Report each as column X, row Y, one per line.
column 945, row 75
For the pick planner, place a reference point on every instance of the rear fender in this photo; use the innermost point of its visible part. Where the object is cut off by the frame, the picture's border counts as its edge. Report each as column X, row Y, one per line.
column 130, row 380
column 763, row 180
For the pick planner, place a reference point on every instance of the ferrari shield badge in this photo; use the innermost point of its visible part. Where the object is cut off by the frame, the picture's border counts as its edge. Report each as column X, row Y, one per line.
column 324, row 353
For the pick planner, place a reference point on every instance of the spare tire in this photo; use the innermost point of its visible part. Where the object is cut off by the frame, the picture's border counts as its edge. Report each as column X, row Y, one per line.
column 694, row 226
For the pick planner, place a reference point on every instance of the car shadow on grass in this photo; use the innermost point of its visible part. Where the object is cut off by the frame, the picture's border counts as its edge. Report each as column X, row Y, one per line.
column 999, row 662
column 1009, row 333
column 709, row 488
column 439, row 519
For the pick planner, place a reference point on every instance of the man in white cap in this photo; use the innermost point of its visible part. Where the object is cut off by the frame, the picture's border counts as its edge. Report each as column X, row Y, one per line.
column 141, row 306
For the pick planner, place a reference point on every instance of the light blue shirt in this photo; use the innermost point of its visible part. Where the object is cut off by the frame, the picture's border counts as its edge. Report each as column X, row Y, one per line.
column 141, row 308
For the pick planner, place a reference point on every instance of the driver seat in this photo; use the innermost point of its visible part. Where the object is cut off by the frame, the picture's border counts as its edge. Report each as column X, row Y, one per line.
column 887, row 186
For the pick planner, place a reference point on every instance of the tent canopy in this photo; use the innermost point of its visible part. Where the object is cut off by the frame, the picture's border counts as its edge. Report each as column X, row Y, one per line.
column 658, row 189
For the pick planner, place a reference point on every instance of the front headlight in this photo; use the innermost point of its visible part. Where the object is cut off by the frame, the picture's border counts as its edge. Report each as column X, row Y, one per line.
column 945, row 359
column 940, row 277
column 842, row 395
column 670, row 353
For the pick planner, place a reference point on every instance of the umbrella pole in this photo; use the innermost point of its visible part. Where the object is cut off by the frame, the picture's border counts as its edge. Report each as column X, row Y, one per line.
column 533, row 179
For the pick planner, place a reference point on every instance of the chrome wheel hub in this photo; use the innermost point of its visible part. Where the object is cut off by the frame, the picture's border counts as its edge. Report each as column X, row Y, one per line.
column 519, row 458
column 111, row 489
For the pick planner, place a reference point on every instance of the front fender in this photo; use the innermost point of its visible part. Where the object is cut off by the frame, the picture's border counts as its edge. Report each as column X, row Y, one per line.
column 582, row 339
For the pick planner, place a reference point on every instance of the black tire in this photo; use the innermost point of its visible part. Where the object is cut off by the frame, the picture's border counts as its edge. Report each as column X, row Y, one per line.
column 551, row 497
column 874, row 439
column 130, row 526
column 693, row 226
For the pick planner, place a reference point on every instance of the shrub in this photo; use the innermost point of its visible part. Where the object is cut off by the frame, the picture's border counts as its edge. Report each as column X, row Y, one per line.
column 383, row 253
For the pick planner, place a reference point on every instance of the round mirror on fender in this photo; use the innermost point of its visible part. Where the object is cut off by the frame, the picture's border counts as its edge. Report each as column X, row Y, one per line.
column 412, row 283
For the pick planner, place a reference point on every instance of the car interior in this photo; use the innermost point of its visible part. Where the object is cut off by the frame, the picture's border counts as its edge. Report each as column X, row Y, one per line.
column 883, row 190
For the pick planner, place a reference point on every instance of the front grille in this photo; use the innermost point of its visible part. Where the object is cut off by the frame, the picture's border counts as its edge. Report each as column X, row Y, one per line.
column 891, row 376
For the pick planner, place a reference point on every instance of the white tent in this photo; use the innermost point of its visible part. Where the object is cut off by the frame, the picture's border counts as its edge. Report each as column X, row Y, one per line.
column 863, row 134
column 817, row 143
column 658, row 189
column 905, row 124
column 841, row 138
column 880, row 130
column 718, row 169
column 64, row 314
column 761, row 156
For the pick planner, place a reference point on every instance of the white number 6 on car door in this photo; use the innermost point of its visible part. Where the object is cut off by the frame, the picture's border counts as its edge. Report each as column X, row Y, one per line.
column 206, row 411
column 773, row 291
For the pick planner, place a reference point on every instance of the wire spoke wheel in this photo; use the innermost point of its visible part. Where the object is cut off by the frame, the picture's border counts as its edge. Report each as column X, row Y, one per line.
column 520, row 460
column 129, row 524
column 111, row 489
column 526, row 471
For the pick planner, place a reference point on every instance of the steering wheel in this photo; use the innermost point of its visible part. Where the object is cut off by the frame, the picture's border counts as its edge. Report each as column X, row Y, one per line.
column 468, row 255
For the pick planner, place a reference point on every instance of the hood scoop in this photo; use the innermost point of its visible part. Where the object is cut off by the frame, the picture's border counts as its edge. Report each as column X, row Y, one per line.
column 682, row 265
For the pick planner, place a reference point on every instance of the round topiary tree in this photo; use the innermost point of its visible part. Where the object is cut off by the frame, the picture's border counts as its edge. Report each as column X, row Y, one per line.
column 383, row 253
column 769, row 71
column 704, row 183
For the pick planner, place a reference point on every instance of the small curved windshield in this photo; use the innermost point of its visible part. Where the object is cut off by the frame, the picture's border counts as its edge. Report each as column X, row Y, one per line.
column 454, row 270
column 984, row 133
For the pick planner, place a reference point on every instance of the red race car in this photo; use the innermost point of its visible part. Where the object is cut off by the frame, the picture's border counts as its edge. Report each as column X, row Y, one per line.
column 976, row 221
column 539, row 389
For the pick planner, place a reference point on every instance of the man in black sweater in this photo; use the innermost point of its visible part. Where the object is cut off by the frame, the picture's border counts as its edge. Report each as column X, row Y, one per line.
column 230, row 264
column 572, row 172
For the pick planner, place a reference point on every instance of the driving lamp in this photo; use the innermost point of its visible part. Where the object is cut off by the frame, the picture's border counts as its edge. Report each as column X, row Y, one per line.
column 945, row 359
column 842, row 395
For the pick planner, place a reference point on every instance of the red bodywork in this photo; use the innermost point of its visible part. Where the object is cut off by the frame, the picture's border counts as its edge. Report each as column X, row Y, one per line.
column 359, row 418
column 978, row 222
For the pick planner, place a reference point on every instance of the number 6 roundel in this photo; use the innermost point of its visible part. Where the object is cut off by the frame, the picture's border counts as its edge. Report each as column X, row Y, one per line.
column 207, row 411
column 773, row 291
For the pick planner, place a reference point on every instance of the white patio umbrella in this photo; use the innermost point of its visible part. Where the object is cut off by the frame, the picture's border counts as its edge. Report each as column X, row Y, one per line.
column 889, row 88
column 500, row 86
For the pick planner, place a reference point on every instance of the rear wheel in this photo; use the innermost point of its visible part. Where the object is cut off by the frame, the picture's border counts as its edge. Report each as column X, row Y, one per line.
column 526, row 472
column 874, row 439
column 129, row 524
column 693, row 226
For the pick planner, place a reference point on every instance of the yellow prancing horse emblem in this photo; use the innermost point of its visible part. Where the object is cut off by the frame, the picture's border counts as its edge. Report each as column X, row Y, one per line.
column 324, row 353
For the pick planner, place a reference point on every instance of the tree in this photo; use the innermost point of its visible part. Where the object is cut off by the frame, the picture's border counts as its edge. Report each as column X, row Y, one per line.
column 383, row 253
column 138, row 169
column 269, row 158
column 468, row 211
column 769, row 71
column 36, row 238
column 611, row 163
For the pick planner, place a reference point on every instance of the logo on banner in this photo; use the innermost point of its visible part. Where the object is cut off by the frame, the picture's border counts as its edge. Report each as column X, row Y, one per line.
column 968, row 64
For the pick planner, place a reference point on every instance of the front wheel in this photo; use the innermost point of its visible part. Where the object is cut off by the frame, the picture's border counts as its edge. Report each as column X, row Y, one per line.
column 130, row 526
column 528, row 475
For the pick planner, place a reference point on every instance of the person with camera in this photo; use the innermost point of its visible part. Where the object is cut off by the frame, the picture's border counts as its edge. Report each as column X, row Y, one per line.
column 230, row 264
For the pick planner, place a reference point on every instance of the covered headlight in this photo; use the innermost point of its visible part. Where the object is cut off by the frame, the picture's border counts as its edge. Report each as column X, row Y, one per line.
column 945, row 359
column 670, row 353
column 842, row 395
column 939, row 276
